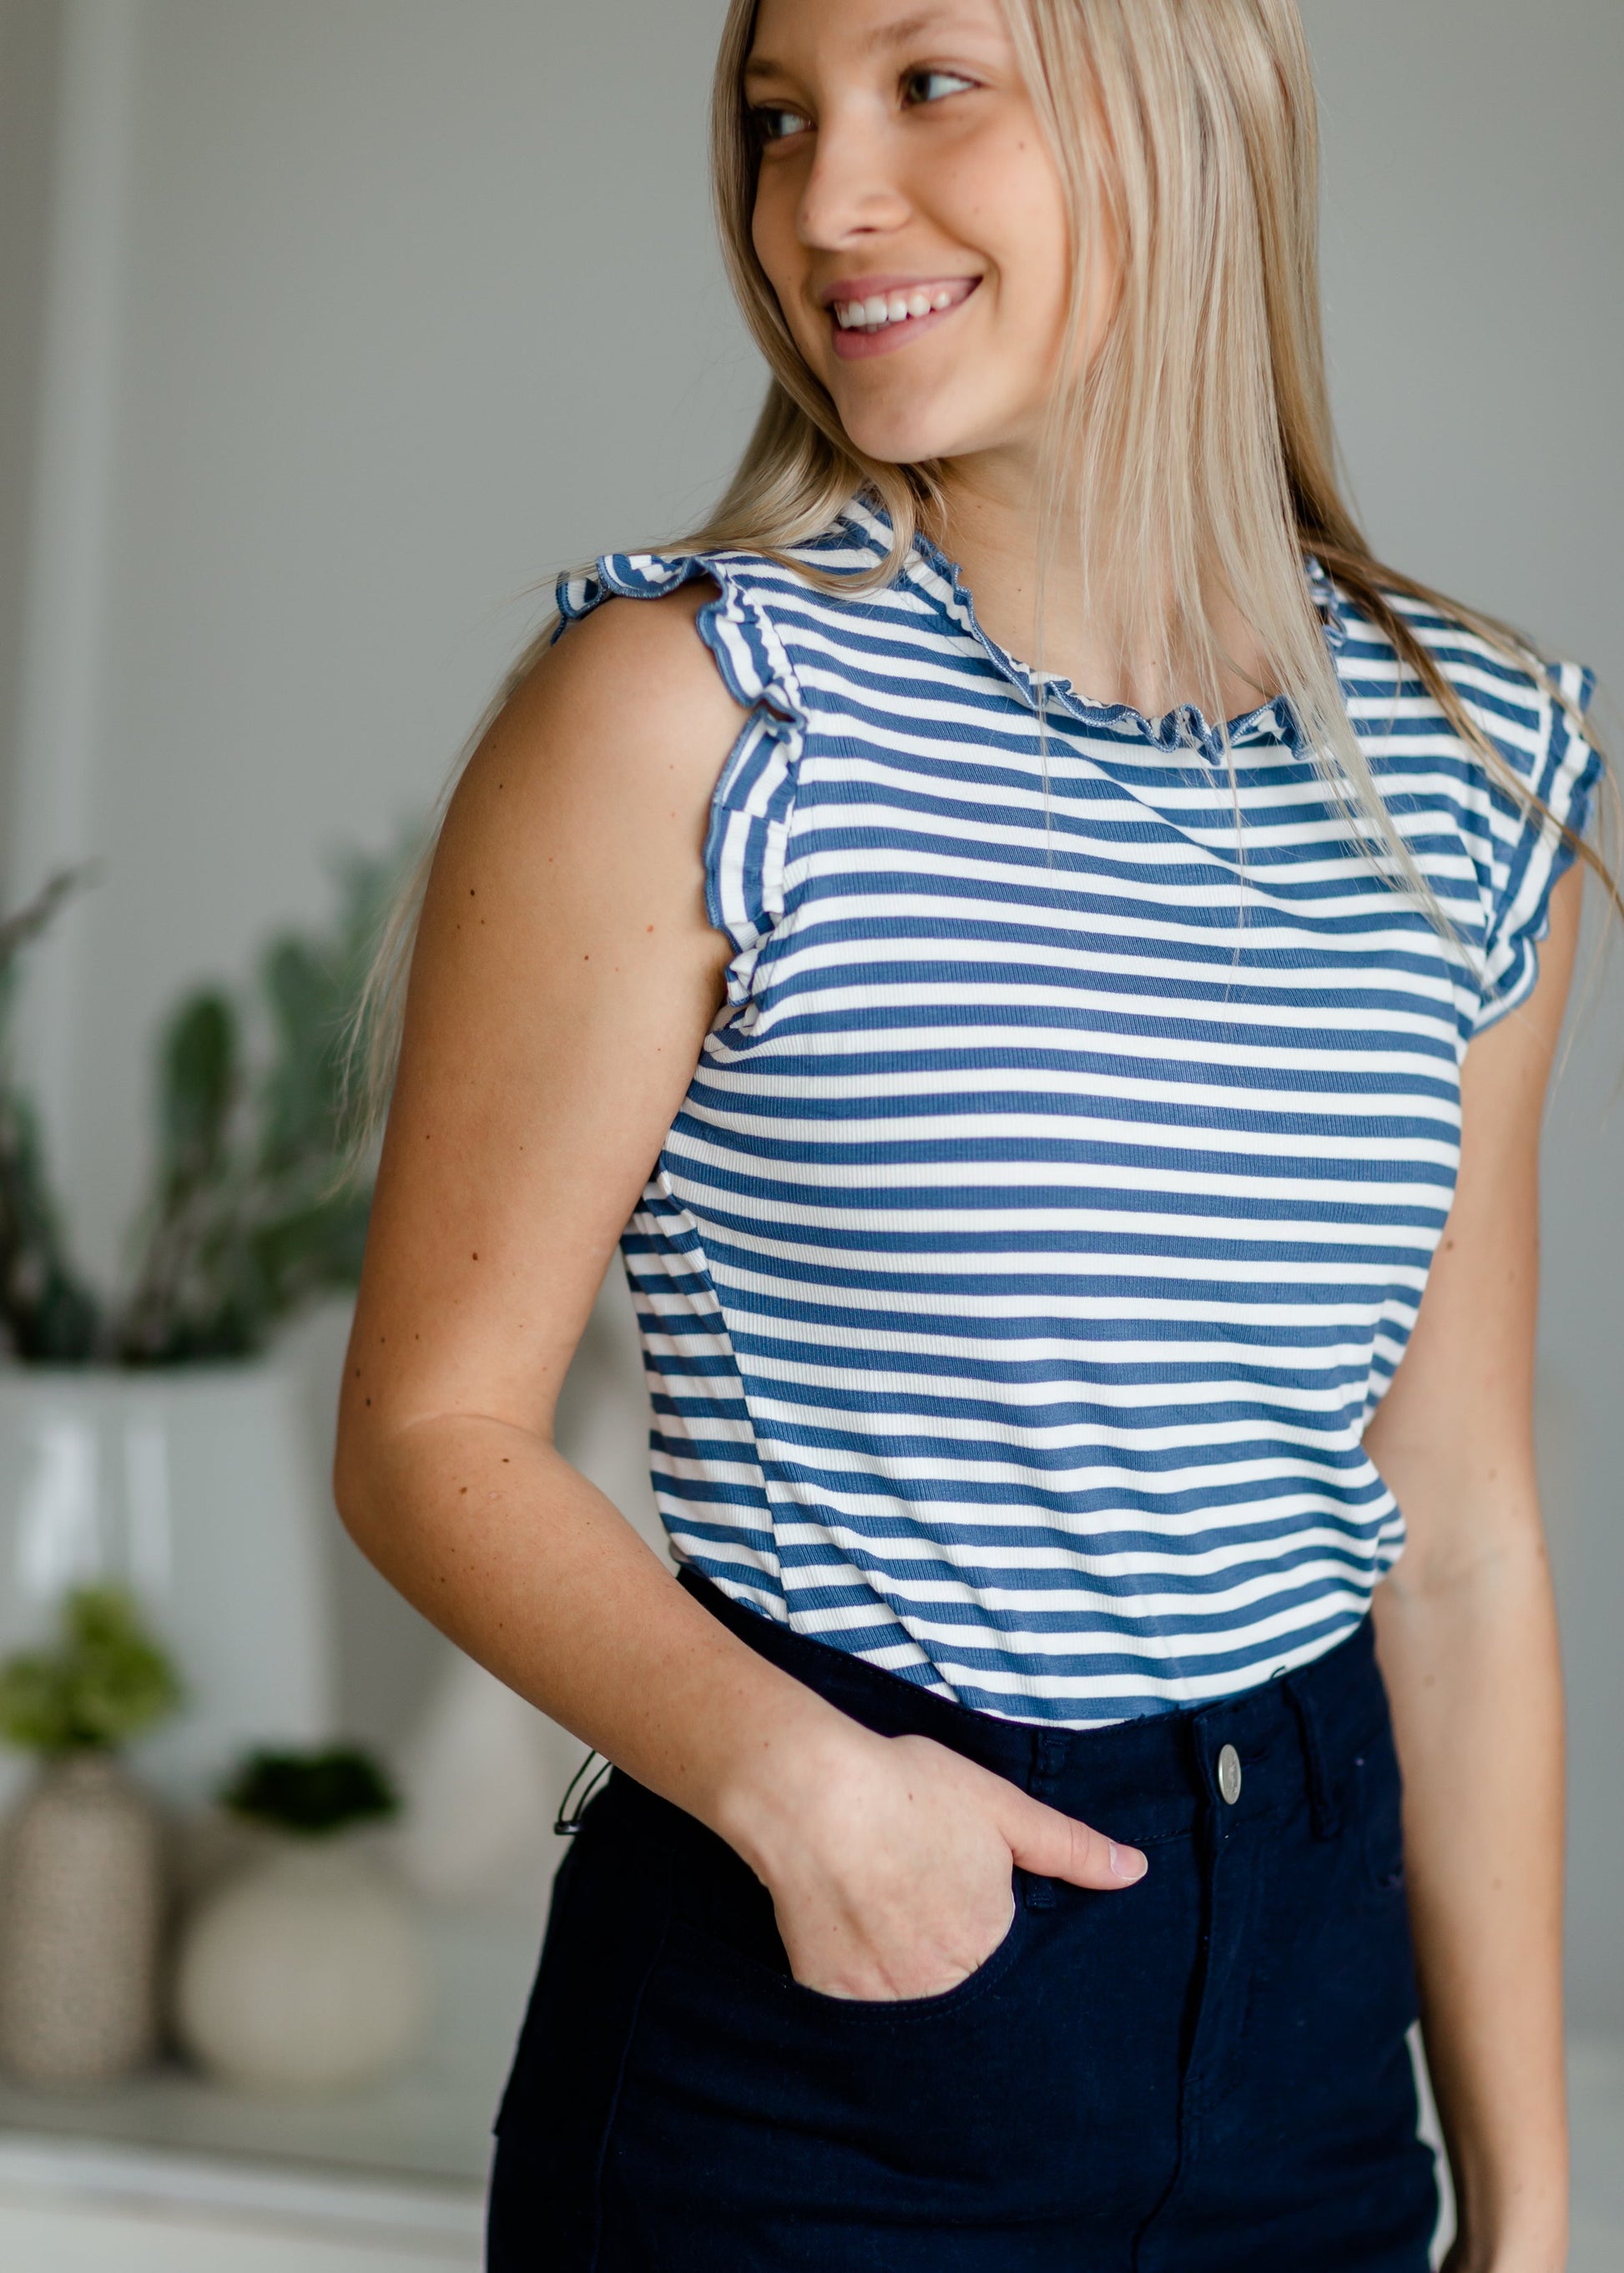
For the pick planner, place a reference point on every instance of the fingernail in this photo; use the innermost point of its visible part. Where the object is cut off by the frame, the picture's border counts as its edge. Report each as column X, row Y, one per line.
column 1127, row 1865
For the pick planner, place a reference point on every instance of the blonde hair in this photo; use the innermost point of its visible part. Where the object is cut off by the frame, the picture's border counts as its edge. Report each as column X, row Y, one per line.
column 1198, row 442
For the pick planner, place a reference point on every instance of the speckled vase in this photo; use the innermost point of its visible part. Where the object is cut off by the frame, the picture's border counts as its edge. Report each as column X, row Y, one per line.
column 79, row 1926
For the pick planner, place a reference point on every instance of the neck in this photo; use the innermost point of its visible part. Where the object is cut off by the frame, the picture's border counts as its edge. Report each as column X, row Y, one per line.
column 1080, row 621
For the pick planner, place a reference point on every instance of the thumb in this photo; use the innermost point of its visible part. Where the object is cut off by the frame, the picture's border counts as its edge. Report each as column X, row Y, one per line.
column 1053, row 1846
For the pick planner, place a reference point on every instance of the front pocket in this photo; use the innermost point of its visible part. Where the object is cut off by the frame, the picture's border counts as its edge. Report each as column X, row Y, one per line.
column 1020, row 2093
column 863, row 2011
column 807, row 2098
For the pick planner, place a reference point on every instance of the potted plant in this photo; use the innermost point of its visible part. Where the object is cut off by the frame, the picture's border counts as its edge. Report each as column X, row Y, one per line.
column 82, row 1882
column 149, row 1434
column 305, row 1973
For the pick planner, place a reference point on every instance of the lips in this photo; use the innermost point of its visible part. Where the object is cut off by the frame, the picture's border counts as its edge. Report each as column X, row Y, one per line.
column 872, row 315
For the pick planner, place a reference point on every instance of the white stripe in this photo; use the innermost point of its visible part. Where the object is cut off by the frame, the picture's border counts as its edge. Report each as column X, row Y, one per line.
column 1046, row 994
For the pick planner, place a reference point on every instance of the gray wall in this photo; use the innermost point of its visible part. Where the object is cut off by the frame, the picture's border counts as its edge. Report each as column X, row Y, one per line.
column 419, row 302
column 27, row 86
column 1475, row 293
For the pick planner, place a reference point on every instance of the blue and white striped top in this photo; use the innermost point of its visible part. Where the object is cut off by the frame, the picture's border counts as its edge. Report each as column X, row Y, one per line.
column 1055, row 1194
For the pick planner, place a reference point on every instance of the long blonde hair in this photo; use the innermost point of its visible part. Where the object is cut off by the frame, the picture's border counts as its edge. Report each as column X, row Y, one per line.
column 1198, row 442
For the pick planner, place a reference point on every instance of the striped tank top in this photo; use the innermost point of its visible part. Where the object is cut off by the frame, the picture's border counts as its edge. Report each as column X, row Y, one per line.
column 1056, row 1189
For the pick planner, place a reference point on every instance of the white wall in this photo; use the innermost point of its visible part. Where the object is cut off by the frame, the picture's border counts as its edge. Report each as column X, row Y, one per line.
column 418, row 301
column 404, row 335
column 401, row 338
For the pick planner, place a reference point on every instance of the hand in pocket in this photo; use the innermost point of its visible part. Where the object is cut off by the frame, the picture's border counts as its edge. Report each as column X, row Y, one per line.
column 891, row 1865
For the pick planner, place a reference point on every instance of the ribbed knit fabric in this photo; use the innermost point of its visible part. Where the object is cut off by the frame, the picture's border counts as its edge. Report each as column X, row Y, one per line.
column 1054, row 1198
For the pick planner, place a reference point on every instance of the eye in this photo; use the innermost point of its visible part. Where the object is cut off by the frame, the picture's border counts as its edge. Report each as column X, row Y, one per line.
column 776, row 121
column 922, row 87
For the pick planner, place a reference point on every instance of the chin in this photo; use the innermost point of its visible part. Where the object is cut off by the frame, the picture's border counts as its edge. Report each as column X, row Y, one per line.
column 899, row 438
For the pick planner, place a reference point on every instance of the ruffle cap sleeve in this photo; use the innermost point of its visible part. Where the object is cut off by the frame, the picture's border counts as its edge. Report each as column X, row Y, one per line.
column 754, row 799
column 1528, row 852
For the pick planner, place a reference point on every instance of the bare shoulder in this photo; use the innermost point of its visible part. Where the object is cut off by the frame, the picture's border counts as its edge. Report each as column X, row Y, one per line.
column 580, row 822
column 630, row 693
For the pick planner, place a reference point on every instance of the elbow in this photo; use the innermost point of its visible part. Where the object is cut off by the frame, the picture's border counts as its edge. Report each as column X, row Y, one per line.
column 356, row 1495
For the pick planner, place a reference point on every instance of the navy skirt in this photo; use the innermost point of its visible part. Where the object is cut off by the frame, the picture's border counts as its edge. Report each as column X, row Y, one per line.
column 1207, row 2073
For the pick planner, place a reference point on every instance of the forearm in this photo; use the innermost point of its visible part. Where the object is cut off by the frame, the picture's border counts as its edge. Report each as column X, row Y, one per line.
column 1471, row 1664
column 530, row 1570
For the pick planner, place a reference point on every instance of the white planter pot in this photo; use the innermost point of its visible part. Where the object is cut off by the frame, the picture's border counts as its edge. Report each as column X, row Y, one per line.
column 306, row 1975
column 197, row 1489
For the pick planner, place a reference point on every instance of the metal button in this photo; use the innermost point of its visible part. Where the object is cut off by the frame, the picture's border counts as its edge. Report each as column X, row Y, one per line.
column 1229, row 1775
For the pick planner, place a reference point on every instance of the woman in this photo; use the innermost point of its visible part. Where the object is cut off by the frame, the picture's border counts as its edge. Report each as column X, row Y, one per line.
column 1030, row 1114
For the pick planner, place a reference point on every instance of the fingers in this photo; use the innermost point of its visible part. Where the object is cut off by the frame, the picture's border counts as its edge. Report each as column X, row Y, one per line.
column 1052, row 1846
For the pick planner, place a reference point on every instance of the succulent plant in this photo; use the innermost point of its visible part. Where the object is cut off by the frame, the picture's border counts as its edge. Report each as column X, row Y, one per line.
column 313, row 1793
column 252, row 1211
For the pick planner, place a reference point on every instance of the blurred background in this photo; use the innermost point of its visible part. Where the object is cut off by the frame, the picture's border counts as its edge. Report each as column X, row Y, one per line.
column 329, row 330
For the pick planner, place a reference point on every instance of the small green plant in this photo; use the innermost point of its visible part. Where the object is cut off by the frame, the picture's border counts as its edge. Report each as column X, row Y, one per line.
column 251, row 1212
column 314, row 1793
column 106, row 1681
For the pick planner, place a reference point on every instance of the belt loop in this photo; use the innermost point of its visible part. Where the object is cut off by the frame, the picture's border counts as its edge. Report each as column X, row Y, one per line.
column 1049, row 1753
column 1324, row 1813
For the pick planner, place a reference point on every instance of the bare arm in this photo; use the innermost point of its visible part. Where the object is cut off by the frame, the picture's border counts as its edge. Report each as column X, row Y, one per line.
column 1467, row 1632
column 564, row 980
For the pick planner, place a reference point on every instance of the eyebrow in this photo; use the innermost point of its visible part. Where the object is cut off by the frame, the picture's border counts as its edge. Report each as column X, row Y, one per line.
column 897, row 33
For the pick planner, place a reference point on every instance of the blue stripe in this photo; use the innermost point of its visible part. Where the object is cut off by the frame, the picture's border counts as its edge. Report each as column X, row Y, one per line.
column 1053, row 1203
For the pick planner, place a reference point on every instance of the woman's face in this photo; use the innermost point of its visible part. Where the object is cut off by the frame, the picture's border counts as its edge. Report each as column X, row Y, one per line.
column 911, row 221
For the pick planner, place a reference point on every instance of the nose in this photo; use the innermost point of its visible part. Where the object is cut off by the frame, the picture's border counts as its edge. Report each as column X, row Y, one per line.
column 851, row 191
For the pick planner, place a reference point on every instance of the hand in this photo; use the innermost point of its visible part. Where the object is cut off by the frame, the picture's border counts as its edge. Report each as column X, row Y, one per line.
column 889, row 1863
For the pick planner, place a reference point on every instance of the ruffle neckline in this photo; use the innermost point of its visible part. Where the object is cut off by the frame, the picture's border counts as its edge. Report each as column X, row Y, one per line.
column 1182, row 729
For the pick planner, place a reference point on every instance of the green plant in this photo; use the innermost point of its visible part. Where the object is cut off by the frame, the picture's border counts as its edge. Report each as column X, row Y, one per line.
column 314, row 1793
column 50, row 1315
column 251, row 1212
column 106, row 1681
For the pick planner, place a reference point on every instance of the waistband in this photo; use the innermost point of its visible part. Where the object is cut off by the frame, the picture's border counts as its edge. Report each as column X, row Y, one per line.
column 1305, row 1733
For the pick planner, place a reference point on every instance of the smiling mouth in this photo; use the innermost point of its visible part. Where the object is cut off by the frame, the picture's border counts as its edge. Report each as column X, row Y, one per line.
column 888, row 309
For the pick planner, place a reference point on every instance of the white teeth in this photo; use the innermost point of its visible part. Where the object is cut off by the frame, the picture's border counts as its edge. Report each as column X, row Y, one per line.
column 881, row 309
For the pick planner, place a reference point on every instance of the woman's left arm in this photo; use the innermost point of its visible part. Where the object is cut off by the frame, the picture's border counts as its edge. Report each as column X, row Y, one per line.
column 1466, row 1632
